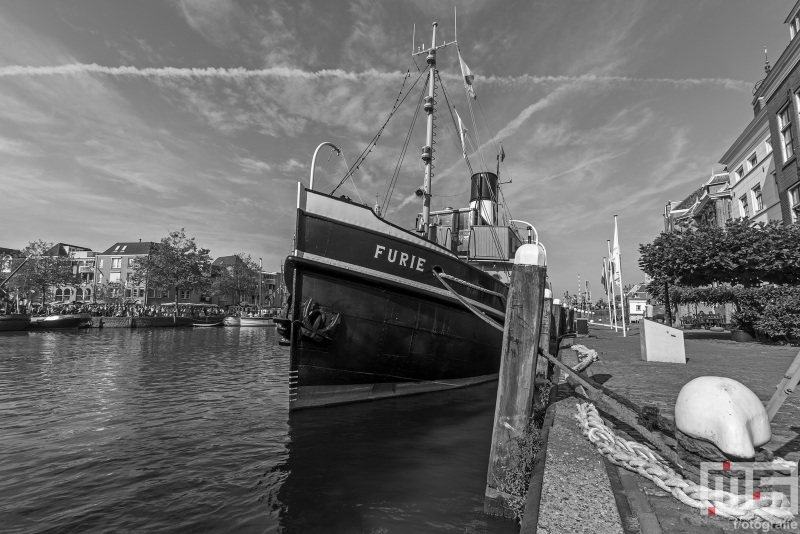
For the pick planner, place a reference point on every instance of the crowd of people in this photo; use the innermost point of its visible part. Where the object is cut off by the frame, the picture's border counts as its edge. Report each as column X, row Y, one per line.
column 110, row 310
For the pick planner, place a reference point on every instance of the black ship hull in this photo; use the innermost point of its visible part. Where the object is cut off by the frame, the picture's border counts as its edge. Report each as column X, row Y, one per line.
column 369, row 319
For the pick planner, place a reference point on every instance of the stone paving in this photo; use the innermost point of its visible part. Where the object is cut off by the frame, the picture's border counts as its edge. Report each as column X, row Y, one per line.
column 758, row 366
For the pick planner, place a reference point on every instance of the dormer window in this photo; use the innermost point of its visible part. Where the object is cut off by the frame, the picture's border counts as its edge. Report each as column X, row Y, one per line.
column 116, row 249
column 794, row 27
column 126, row 246
column 752, row 161
column 739, row 173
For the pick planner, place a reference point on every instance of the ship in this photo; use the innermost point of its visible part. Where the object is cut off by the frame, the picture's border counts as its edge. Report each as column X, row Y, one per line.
column 377, row 310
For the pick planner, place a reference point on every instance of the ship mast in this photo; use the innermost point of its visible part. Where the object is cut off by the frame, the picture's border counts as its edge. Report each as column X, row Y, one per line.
column 427, row 150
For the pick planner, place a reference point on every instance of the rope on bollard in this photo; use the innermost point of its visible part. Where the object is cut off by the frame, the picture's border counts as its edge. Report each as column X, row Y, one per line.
column 772, row 506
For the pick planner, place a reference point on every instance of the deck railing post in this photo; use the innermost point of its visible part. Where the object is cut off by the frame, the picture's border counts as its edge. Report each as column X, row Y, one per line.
column 516, row 386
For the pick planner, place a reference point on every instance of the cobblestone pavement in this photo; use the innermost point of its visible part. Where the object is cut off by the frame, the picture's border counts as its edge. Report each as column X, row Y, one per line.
column 758, row 366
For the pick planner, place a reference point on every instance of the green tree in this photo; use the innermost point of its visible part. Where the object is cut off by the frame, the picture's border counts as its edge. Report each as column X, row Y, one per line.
column 239, row 279
column 42, row 272
column 175, row 263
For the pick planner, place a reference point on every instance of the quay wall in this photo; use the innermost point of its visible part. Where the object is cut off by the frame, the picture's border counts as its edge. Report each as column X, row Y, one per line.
column 139, row 322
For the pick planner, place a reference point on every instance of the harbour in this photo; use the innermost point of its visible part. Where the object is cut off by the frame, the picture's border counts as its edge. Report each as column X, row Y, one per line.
column 187, row 429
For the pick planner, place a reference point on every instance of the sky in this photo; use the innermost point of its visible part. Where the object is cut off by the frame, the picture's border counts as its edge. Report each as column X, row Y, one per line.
column 124, row 120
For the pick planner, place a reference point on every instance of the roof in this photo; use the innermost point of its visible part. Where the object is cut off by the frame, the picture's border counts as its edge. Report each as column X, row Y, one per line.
column 64, row 249
column 793, row 12
column 130, row 248
column 9, row 252
column 223, row 261
column 688, row 202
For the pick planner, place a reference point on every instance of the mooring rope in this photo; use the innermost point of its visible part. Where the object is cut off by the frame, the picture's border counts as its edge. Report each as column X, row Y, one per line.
column 473, row 286
column 482, row 316
column 772, row 506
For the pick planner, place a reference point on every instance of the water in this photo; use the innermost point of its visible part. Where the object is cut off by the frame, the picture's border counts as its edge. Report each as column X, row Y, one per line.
column 188, row 430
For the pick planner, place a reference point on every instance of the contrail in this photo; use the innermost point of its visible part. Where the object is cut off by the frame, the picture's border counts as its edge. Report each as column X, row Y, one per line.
column 371, row 74
column 238, row 73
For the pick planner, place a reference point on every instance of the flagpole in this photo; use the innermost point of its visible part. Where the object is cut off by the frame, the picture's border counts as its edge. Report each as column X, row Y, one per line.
column 613, row 297
column 621, row 294
column 608, row 298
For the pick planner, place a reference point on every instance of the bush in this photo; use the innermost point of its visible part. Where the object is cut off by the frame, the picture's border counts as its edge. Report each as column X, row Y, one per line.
column 515, row 475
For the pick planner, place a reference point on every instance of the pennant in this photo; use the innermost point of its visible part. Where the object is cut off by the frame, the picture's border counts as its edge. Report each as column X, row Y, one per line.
column 461, row 132
column 616, row 260
column 468, row 76
column 502, row 153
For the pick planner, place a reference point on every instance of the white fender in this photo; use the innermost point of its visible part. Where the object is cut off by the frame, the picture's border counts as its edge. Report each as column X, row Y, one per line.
column 724, row 412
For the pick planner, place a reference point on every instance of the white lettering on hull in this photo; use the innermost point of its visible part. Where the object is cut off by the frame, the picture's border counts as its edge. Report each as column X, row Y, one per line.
column 405, row 260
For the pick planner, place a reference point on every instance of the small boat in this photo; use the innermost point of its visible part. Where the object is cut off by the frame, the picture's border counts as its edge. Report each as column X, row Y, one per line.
column 207, row 320
column 218, row 323
column 14, row 321
column 71, row 320
column 256, row 320
column 231, row 320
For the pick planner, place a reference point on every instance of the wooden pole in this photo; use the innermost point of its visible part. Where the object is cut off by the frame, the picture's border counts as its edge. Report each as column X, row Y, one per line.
column 544, row 337
column 516, row 386
column 786, row 386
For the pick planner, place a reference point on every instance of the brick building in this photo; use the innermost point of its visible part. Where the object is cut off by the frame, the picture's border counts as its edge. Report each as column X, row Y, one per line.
column 778, row 95
column 114, row 273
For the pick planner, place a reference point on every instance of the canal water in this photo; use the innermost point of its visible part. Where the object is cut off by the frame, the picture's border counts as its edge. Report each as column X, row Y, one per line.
column 188, row 430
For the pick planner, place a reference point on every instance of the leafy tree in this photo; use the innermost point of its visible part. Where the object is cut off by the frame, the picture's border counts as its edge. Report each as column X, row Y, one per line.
column 41, row 272
column 239, row 279
column 110, row 292
column 742, row 253
column 175, row 263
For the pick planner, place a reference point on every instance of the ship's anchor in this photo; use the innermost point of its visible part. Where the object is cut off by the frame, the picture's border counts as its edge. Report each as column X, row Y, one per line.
column 316, row 324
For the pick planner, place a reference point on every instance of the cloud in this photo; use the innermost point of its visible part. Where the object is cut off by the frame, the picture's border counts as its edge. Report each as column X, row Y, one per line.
column 254, row 166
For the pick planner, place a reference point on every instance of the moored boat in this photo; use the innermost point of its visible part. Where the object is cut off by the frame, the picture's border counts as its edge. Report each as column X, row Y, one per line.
column 377, row 310
column 14, row 321
column 255, row 320
column 63, row 321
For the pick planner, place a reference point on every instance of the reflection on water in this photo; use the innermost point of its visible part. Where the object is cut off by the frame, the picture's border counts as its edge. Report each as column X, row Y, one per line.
column 188, row 430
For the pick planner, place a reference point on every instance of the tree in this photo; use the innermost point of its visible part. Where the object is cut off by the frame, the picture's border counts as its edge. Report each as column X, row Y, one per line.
column 742, row 253
column 42, row 271
column 176, row 263
column 240, row 278
column 754, row 266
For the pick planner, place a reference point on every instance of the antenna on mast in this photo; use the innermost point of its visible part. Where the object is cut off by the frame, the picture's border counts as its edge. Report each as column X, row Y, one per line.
column 455, row 24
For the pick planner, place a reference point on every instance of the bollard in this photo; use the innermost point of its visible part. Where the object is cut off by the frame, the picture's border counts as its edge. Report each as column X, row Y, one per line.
column 516, row 386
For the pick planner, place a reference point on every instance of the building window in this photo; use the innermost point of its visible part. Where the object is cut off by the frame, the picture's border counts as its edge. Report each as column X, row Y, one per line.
column 752, row 161
column 785, row 125
column 739, row 173
column 99, row 278
column 184, row 295
column 768, row 145
column 114, row 277
column 87, row 293
column 744, row 205
column 758, row 204
column 79, row 294
column 58, row 295
column 101, row 262
column 116, row 263
column 127, row 293
column 794, row 200
column 130, row 263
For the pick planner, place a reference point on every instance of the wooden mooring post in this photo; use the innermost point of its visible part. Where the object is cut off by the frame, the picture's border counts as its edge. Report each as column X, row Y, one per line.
column 516, row 386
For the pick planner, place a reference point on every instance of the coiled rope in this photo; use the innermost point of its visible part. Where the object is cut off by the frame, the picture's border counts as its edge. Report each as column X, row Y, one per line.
column 772, row 506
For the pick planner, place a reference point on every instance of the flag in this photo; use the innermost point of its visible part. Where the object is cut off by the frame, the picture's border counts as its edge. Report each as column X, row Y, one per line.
column 616, row 261
column 461, row 132
column 468, row 76
column 502, row 153
column 603, row 280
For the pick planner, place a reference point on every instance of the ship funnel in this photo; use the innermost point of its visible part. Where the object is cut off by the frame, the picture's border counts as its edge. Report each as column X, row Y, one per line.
column 483, row 198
